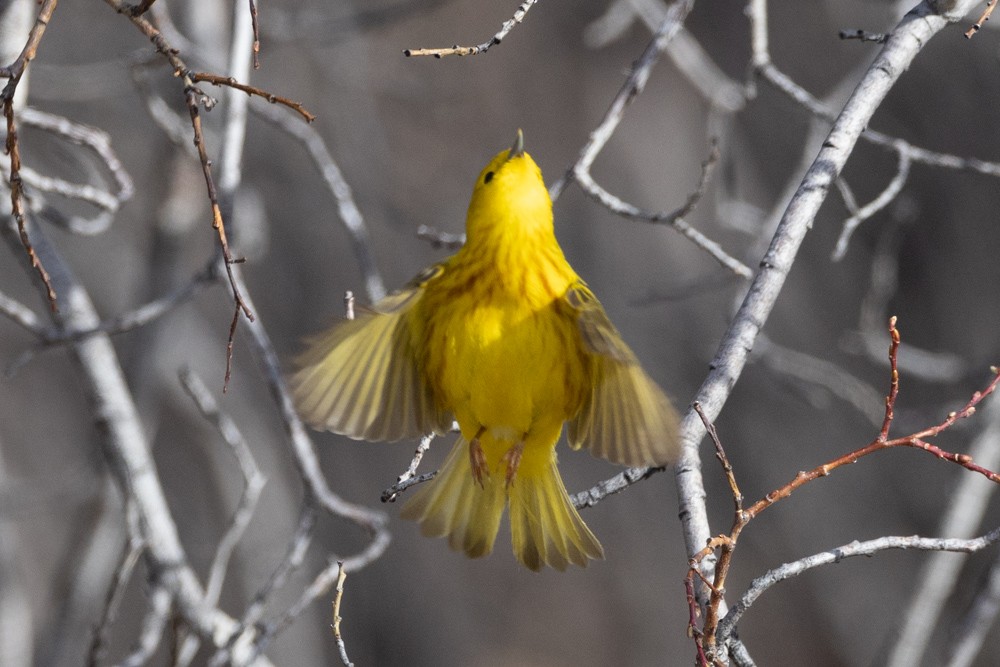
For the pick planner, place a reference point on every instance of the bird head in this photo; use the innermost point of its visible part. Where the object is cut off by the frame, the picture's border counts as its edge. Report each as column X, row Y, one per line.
column 509, row 196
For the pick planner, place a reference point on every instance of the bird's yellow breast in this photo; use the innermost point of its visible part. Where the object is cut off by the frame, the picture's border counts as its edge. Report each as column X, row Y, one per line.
column 500, row 354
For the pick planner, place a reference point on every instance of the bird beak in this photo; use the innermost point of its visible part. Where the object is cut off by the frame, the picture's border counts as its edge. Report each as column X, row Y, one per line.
column 517, row 150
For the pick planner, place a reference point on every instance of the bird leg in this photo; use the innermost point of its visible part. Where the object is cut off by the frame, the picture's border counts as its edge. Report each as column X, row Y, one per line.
column 477, row 457
column 512, row 458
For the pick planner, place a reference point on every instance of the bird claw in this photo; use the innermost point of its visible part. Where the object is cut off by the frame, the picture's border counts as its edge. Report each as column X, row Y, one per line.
column 477, row 457
column 512, row 458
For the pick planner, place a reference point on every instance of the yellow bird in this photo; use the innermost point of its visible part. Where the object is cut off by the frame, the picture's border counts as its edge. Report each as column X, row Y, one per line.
column 506, row 339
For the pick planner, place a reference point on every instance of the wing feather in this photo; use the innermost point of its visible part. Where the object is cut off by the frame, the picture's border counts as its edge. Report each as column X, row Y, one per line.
column 626, row 418
column 361, row 378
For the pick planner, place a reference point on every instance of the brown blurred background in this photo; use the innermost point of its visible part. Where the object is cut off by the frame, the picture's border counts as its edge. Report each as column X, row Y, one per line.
column 410, row 135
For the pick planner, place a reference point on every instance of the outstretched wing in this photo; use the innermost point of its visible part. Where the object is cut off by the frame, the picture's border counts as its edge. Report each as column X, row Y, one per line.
column 626, row 418
column 361, row 378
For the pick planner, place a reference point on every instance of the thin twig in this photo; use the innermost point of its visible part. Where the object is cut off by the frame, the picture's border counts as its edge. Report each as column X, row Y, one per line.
column 611, row 486
column 720, row 454
column 341, row 576
column 94, row 139
column 253, row 479
column 890, row 192
column 684, row 50
column 865, row 36
column 403, row 481
column 868, row 548
column 910, row 36
column 256, row 34
column 128, row 454
column 298, row 546
column 14, row 72
column 916, row 440
column 253, row 484
column 194, row 97
column 133, row 548
column 673, row 218
column 217, row 80
column 20, row 314
column 764, row 68
column 138, row 317
column 145, row 314
column 634, row 85
column 141, row 8
column 712, row 636
column 151, row 628
column 481, row 48
column 320, row 586
column 440, row 240
column 726, row 544
column 984, row 17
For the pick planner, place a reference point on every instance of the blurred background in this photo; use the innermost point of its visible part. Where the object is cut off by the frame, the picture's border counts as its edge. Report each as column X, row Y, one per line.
column 410, row 135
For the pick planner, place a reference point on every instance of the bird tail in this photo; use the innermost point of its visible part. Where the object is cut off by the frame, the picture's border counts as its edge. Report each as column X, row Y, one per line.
column 545, row 527
column 452, row 505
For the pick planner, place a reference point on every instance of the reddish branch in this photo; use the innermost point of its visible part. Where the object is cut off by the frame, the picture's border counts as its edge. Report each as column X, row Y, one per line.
column 194, row 97
column 977, row 26
column 229, row 81
column 14, row 72
column 705, row 637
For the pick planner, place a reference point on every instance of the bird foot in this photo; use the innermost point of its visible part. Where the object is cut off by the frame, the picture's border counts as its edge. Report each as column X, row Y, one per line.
column 477, row 457
column 513, row 460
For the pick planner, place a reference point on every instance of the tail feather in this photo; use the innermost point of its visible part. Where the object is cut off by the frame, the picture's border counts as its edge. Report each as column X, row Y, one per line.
column 452, row 505
column 545, row 527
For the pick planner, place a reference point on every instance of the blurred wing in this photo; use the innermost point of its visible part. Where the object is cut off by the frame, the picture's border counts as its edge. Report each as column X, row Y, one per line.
column 626, row 418
column 361, row 378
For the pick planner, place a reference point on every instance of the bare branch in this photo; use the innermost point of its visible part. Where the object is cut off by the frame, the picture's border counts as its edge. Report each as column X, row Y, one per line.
column 127, row 450
column 253, row 479
column 253, row 484
column 670, row 25
column 868, row 548
column 977, row 26
column 684, row 50
column 341, row 576
column 634, row 85
column 481, row 48
column 674, row 218
column 95, row 139
column 403, row 482
column 864, row 36
column 909, row 37
column 891, row 191
column 132, row 550
column 153, row 625
column 20, row 314
column 297, row 548
column 231, row 82
column 439, row 239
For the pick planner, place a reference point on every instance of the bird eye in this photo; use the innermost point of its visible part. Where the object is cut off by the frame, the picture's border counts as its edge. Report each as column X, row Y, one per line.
column 488, row 177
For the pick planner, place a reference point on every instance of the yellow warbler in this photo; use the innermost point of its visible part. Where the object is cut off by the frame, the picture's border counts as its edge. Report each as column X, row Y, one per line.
column 506, row 339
